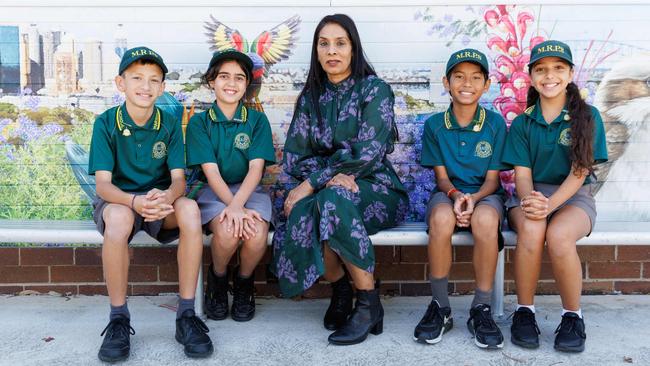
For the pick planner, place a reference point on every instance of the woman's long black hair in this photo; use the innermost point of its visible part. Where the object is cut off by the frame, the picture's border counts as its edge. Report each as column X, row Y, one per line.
column 582, row 127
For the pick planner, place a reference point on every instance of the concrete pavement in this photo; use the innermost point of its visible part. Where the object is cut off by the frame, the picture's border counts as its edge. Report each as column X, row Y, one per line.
column 55, row 330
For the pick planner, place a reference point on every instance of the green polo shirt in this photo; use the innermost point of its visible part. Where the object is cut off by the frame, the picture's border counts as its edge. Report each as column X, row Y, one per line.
column 140, row 158
column 467, row 153
column 231, row 144
column 545, row 147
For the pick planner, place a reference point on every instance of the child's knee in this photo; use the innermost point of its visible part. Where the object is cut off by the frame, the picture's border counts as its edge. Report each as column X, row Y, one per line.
column 442, row 218
column 485, row 222
column 118, row 222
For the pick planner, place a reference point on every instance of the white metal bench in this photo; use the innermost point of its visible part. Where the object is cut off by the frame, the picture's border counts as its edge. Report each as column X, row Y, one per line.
column 409, row 234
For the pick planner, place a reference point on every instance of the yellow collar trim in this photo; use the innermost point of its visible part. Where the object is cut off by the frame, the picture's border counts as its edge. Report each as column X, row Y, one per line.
column 478, row 124
column 122, row 127
column 244, row 115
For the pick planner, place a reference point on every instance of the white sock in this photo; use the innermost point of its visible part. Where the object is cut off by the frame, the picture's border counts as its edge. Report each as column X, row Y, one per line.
column 579, row 312
column 531, row 307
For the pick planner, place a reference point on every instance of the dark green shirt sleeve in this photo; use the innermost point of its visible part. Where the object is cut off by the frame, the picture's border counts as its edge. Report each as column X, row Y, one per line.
column 431, row 154
column 262, row 144
column 176, row 150
column 101, row 155
column 600, row 143
column 199, row 149
column 515, row 151
column 498, row 145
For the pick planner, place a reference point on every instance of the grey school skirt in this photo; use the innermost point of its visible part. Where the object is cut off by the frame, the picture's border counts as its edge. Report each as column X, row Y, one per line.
column 583, row 199
column 211, row 206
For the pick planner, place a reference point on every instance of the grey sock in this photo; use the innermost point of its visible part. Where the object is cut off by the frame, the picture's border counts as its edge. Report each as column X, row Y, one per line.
column 440, row 291
column 482, row 297
column 118, row 311
column 183, row 305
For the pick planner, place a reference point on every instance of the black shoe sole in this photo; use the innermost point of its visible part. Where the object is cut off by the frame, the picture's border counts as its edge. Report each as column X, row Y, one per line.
column 242, row 319
column 376, row 329
column 483, row 345
column 113, row 359
column 524, row 344
column 196, row 354
column 445, row 328
column 212, row 317
column 569, row 348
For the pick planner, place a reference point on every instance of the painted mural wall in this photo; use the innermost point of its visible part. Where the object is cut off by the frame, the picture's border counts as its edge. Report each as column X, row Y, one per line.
column 57, row 66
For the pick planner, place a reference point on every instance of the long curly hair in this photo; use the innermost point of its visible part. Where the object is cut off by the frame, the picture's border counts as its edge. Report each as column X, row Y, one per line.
column 582, row 128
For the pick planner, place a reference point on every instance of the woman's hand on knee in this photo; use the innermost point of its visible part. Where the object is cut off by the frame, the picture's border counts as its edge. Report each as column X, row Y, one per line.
column 303, row 190
column 345, row 181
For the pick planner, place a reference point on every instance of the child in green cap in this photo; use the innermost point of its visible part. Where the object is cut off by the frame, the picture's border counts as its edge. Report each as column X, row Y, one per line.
column 463, row 145
column 553, row 147
column 232, row 145
column 137, row 157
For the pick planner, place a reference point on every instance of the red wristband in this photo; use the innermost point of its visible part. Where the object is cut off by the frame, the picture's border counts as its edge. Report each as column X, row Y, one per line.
column 451, row 192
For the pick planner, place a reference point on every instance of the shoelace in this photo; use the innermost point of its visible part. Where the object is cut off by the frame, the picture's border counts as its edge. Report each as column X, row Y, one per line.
column 523, row 318
column 197, row 323
column 240, row 296
column 118, row 326
column 433, row 311
column 567, row 325
column 483, row 319
column 220, row 292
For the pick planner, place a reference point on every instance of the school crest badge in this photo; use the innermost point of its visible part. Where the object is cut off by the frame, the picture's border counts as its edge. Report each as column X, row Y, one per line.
column 159, row 150
column 565, row 137
column 483, row 149
column 242, row 141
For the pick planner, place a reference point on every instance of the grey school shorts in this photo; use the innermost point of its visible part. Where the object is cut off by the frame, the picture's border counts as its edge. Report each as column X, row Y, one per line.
column 211, row 206
column 583, row 199
column 493, row 200
column 154, row 228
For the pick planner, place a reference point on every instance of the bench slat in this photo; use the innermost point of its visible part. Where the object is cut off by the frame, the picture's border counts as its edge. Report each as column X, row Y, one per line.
column 408, row 234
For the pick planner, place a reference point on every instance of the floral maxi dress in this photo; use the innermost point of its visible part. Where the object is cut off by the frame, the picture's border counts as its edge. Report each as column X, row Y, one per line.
column 354, row 136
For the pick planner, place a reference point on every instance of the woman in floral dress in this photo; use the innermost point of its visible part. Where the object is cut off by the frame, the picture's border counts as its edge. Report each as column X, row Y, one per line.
column 343, row 186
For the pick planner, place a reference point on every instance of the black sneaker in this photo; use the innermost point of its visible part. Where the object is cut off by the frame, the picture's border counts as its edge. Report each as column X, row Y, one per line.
column 243, row 299
column 192, row 333
column 117, row 343
column 435, row 322
column 485, row 331
column 216, row 296
column 524, row 330
column 570, row 334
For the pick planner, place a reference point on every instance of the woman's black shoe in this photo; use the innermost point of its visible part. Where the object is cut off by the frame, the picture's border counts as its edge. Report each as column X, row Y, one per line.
column 216, row 296
column 243, row 298
column 340, row 304
column 117, row 340
column 367, row 317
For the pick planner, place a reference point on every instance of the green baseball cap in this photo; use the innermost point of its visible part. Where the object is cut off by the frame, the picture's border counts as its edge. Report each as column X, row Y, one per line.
column 467, row 55
column 550, row 48
column 141, row 53
column 233, row 54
